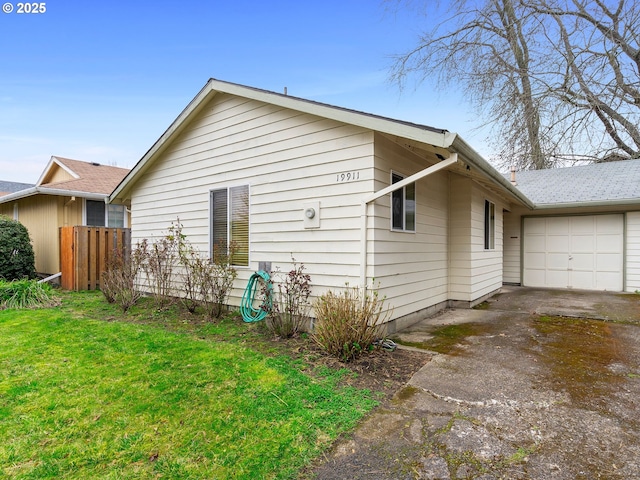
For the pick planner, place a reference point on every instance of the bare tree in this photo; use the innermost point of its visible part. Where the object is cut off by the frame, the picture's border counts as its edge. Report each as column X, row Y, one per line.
column 598, row 86
column 556, row 79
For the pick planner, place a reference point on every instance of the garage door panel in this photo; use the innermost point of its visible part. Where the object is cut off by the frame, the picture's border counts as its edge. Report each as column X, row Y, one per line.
column 606, row 224
column 537, row 243
column 608, row 281
column 556, row 261
column 582, row 261
column 559, row 227
column 584, row 252
column 582, row 243
column 557, row 278
column 607, row 262
column 582, row 280
column 557, row 243
column 536, row 226
column 584, row 225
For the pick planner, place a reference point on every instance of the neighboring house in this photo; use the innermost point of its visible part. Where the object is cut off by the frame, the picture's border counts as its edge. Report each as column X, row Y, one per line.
column 68, row 193
column 286, row 177
column 584, row 232
column 10, row 187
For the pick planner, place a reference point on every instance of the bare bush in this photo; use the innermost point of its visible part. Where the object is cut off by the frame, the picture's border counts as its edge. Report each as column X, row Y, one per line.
column 291, row 306
column 161, row 258
column 206, row 282
column 118, row 283
column 348, row 323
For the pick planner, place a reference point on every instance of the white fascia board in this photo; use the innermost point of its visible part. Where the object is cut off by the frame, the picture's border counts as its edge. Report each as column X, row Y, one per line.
column 589, row 204
column 439, row 139
column 51, row 191
column 27, row 192
column 54, row 160
column 372, row 122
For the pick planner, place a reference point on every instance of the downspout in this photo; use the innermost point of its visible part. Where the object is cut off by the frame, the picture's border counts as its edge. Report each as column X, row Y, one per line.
column 364, row 214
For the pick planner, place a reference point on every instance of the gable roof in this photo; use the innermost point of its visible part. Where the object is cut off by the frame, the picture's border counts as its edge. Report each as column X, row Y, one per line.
column 610, row 183
column 436, row 139
column 82, row 179
column 87, row 176
column 12, row 187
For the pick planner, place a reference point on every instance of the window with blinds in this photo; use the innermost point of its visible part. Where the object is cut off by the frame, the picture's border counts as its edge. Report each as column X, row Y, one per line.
column 230, row 222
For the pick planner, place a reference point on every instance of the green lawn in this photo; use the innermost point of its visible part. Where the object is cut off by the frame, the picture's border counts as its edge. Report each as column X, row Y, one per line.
column 88, row 393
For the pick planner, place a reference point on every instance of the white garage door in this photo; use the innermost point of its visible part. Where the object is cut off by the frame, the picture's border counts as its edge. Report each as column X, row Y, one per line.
column 584, row 252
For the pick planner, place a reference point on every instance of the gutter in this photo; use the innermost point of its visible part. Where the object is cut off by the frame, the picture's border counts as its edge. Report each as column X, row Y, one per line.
column 474, row 159
column 52, row 191
column 589, row 203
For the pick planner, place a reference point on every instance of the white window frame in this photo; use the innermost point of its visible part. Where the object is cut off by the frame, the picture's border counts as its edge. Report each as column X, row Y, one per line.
column 124, row 215
column 406, row 213
column 229, row 219
column 489, row 225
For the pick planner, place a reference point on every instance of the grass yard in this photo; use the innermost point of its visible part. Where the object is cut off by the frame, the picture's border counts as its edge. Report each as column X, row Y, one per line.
column 86, row 392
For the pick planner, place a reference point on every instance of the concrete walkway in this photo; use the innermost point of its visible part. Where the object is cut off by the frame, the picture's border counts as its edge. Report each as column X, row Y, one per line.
column 536, row 384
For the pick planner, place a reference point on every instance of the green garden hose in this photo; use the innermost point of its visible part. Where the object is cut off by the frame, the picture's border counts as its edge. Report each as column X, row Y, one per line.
column 250, row 314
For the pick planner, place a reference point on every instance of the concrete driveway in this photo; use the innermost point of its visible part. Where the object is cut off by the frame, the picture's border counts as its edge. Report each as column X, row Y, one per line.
column 534, row 384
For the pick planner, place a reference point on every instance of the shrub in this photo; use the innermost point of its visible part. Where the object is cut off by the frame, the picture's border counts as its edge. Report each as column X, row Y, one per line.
column 118, row 283
column 348, row 323
column 17, row 260
column 218, row 280
column 160, row 258
column 206, row 282
column 290, row 303
column 26, row 294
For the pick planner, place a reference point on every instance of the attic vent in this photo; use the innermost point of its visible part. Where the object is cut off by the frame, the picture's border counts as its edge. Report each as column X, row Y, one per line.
column 95, row 164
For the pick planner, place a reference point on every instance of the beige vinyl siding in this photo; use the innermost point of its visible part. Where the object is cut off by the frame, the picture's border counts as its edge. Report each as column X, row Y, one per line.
column 474, row 271
column 287, row 159
column 633, row 252
column 42, row 215
column 460, row 232
column 511, row 245
column 410, row 267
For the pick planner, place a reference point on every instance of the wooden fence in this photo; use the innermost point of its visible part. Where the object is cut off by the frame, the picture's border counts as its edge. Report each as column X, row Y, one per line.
column 85, row 252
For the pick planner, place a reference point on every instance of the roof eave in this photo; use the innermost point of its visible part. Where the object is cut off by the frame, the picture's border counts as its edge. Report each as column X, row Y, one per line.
column 19, row 194
column 435, row 137
column 52, row 191
column 474, row 159
column 588, row 204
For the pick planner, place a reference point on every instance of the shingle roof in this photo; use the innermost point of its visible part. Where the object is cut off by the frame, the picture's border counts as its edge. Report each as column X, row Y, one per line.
column 11, row 187
column 599, row 182
column 93, row 177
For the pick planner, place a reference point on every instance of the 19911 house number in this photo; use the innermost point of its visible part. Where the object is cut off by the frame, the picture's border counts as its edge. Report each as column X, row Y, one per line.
column 347, row 177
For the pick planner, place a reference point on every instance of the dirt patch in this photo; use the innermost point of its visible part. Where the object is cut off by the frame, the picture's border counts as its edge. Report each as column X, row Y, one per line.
column 379, row 371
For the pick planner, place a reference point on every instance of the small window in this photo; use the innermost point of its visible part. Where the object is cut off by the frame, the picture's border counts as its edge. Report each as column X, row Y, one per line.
column 489, row 225
column 95, row 213
column 230, row 222
column 403, row 206
column 115, row 216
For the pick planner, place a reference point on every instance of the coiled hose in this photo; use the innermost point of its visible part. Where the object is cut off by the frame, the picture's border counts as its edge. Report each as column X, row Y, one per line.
column 250, row 314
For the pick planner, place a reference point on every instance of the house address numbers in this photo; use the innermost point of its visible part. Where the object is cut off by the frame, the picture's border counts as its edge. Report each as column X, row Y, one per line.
column 347, row 177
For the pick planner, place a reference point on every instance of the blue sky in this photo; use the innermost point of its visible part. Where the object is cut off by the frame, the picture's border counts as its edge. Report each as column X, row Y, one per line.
column 101, row 80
